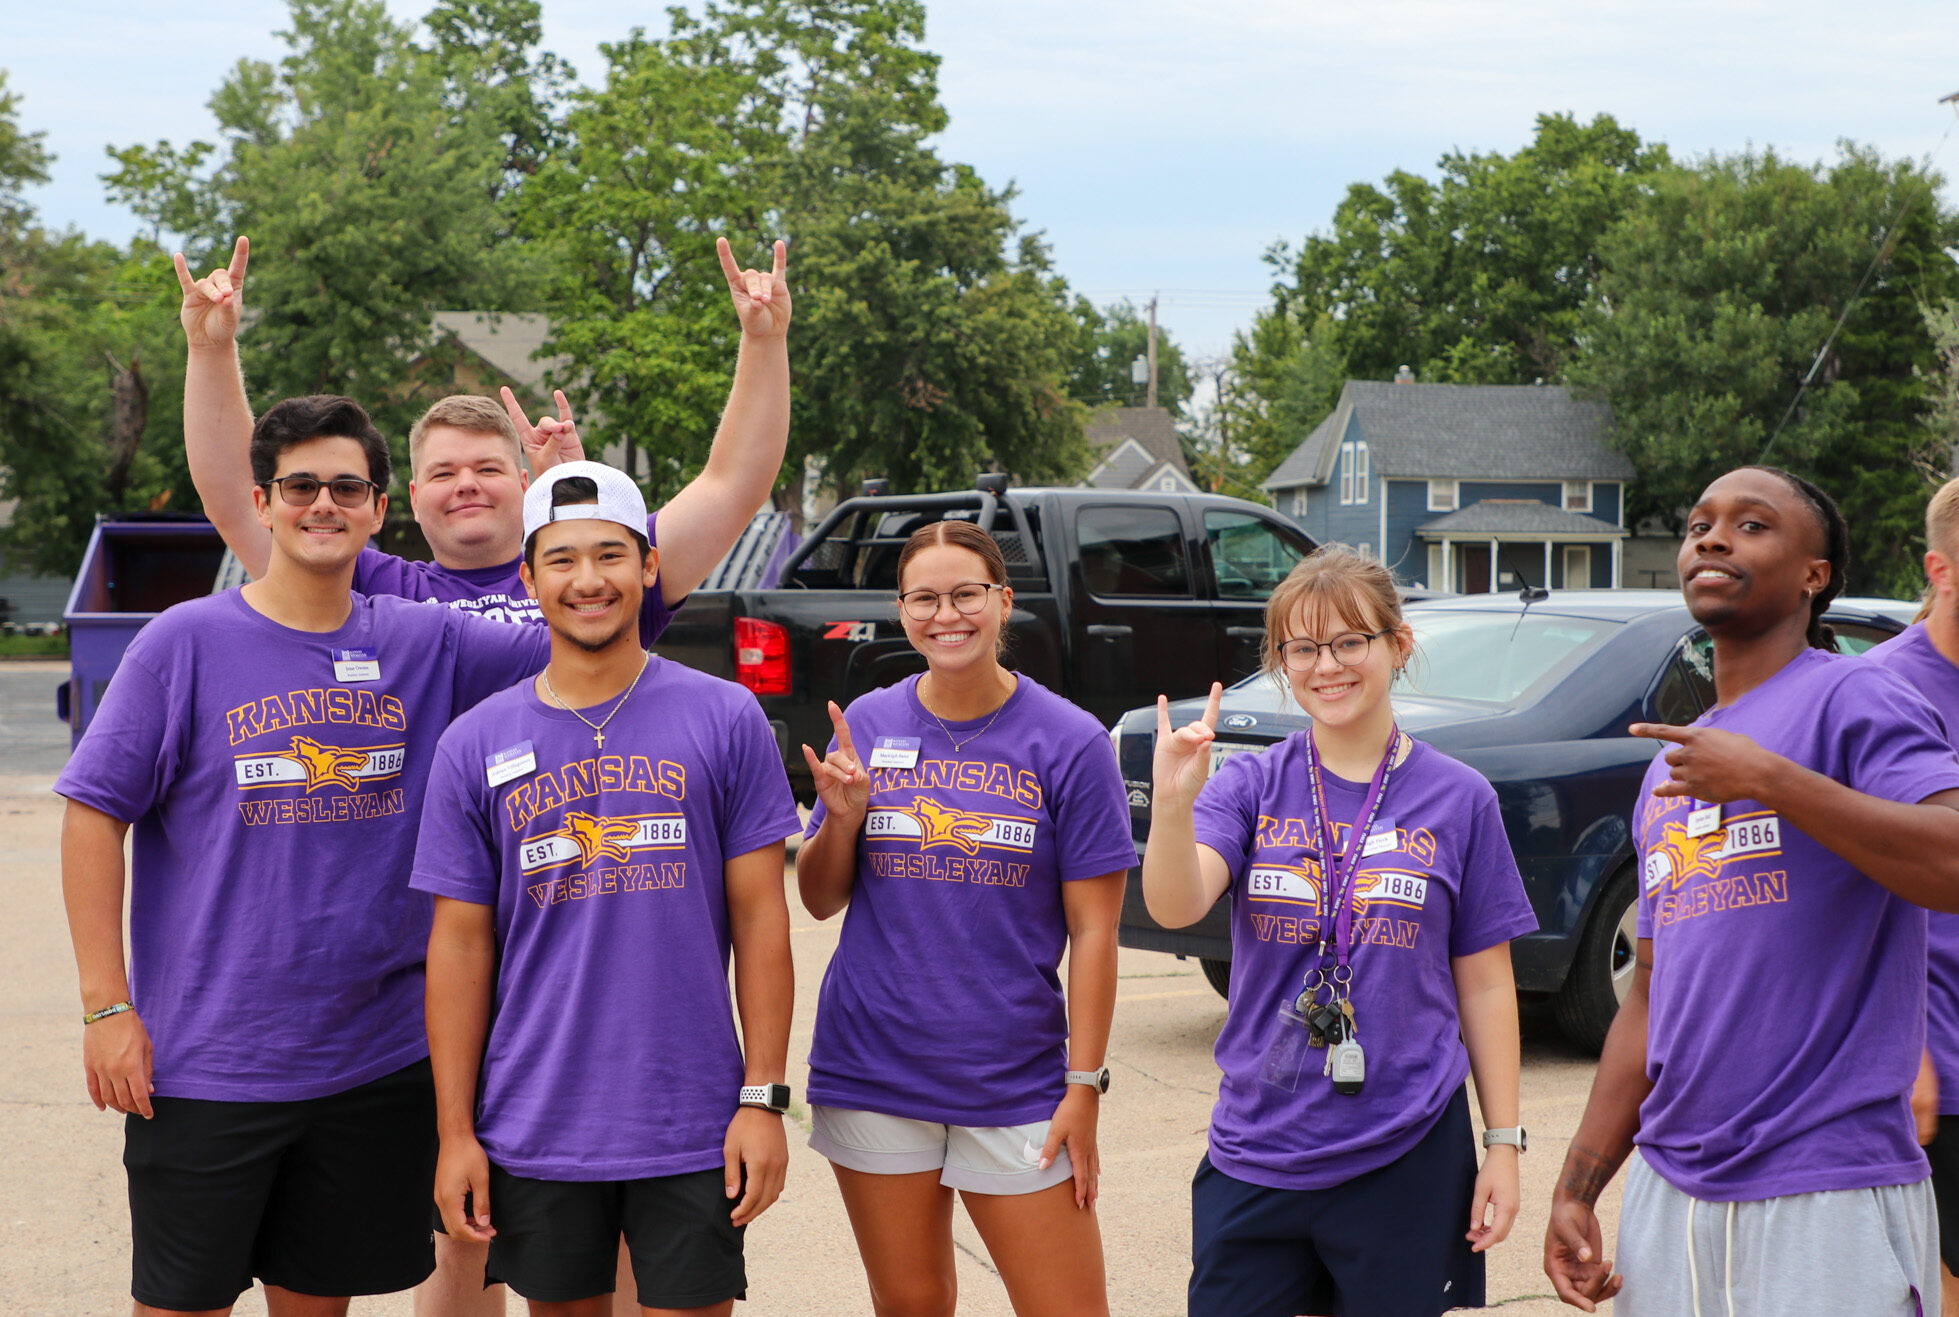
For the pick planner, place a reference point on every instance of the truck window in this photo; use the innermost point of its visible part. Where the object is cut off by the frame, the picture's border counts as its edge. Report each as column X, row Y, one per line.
column 1248, row 554
column 1132, row 551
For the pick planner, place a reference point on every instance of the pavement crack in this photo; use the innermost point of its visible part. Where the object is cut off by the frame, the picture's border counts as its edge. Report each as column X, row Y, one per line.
column 981, row 1258
column 1166, row 1083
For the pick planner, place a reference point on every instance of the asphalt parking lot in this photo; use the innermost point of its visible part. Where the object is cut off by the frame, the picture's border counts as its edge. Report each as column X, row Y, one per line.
column 63, row 1225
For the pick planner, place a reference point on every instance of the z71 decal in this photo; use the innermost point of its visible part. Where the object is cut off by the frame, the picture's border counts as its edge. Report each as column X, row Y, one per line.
column 851, row 631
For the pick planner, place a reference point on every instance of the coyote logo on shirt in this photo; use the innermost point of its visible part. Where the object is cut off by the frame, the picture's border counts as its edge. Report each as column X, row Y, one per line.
column 325, row 764
column 950, row 827
column 595, row 837
column 1680, row 858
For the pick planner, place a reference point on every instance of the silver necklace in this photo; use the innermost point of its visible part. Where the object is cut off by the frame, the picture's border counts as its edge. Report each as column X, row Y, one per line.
column 598, row 728
column 957, row 745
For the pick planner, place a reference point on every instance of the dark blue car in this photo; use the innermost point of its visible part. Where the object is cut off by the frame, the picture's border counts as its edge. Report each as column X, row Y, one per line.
column 1535, row 694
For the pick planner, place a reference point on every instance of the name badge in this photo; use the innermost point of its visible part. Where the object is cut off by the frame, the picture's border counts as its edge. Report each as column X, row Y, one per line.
column 1703, row 819
column 1380, row 840
column 895, row 752
column 356, row 665
column 508, row 765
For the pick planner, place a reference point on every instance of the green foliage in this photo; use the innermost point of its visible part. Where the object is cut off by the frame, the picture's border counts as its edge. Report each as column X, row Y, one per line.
column 73, row 315
column 1942, row 323
column 1715, row 296
column 929, row 337
column 1107, row 343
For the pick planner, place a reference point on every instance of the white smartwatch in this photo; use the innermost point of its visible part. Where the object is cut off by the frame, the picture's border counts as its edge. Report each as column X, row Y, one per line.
column 769, row 1097
column 1514, row 1136
column 1095, row 1079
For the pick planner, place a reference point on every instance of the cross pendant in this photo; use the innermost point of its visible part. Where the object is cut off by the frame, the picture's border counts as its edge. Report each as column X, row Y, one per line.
column 599, row 737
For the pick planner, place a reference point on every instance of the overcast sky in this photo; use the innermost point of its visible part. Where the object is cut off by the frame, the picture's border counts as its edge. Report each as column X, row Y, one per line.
column 1162, row 145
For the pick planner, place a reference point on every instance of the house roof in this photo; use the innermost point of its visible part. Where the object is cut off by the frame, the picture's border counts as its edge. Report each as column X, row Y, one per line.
column 506, row 340
column 1503, row 516
column 1461, row 432
column 1151, row 429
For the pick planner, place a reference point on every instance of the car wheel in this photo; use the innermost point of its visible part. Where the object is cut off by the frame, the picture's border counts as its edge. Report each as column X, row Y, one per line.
column 1218, row 972
column 1602, row 972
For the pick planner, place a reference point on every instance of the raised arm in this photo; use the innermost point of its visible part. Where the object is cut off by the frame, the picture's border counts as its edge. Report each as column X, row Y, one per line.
column 1574, row 1250
column 116, row 1052
column 217, row 418
column 701, row 523
column 1181, row 879
column 462, row 971
column 765, row 996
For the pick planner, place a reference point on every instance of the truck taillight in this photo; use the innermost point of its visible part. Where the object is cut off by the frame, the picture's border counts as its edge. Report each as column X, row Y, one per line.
column 761, row 656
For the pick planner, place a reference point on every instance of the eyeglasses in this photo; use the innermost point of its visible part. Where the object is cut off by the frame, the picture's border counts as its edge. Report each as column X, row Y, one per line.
column 302, row 491
column 923, row 605
column 1348, row 649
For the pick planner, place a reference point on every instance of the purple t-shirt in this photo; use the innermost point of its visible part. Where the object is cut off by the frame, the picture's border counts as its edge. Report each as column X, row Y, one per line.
column 496, row 593
column 1787, row 1005
column 1447, row 886
column 275, row 786
column 612, row 1052
column 943, row 1001
column 1913, row 657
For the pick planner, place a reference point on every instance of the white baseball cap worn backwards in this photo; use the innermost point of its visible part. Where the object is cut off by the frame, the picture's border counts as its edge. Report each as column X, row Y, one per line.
column 619, row 499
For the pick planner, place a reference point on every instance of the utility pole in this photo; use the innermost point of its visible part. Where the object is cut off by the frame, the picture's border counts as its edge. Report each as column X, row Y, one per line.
column 1150, row 399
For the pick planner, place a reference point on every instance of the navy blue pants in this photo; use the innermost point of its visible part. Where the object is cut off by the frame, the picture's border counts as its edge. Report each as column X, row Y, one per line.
column 1389, row 1243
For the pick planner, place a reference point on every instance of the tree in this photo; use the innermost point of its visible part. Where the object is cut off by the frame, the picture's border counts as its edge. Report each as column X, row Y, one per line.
column 930, row 336
column 1942, row 323
column 83, row 336
column 1109, row 342
column 373, row 175
column 1720, row 293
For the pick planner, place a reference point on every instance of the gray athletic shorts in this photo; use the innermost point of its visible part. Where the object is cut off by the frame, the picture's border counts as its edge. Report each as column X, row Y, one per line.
column 1843, row 1253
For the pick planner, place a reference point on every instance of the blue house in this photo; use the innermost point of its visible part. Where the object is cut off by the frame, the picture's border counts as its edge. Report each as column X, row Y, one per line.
column 1464, row 487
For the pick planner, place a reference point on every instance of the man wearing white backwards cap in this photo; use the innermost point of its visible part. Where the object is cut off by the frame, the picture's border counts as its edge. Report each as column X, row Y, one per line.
column 598, row 839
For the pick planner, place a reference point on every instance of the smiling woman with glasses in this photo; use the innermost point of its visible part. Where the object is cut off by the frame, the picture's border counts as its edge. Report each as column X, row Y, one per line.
column 1374, row 897
column 983, row 830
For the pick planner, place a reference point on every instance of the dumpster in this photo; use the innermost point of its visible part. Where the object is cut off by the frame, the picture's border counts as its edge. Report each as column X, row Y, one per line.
column 136, row 566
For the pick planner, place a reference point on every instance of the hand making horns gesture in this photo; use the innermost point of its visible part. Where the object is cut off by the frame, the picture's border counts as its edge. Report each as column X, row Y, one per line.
column 212, row 304
column 1182, row 761
column 761, row 300
column 550, row 441
column 841, row 781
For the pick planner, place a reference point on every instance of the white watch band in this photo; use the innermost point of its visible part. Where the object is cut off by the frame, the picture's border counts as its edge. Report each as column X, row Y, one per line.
column 1513, row 1136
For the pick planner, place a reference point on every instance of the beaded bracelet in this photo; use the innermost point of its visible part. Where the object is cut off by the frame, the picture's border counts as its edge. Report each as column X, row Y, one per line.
column 107, row 1011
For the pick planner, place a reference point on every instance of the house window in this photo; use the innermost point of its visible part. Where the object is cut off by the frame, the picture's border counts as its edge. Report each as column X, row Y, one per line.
column 1366, row 549
column 1577, row 496
column 1577, row 566
column 1441, row 496
column 1168, row 484
column 1346, row 473
column 1298, row 502
column 1360, row 472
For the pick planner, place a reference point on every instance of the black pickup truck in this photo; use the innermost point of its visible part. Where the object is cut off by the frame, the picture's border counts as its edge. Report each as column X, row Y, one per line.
column 1118, row 595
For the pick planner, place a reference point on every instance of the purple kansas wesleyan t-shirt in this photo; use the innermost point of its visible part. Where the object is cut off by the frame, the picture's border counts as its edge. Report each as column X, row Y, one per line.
column 1447, row 887
column 1913, row 657
column 496, row 593
column 942, row 1002
column 1787, row 1007
column 612, row 1052
column 275, row 779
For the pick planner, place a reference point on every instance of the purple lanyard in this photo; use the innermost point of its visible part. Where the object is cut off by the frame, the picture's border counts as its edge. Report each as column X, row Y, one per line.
column 1349, row 865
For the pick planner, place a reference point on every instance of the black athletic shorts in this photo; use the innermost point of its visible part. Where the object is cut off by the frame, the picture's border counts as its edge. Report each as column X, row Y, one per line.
column 1389, row 1243
column 1943, row 1151
column 324, row 1196
column 557, row 1241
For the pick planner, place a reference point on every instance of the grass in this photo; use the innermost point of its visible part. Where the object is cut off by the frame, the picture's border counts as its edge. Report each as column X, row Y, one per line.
column 34, row 646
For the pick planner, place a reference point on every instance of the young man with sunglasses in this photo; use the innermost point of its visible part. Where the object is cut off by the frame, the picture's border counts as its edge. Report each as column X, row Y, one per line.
column 270, row 746
column 467, row 457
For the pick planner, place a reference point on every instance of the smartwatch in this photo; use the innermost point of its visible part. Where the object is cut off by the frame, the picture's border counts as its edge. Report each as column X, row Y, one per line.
column 1514, row 1136
column 769, row 1097
column 1095, row 1079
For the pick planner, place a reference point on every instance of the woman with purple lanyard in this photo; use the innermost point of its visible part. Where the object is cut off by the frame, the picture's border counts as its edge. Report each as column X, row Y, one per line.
column 1374, row 897
column 974, row 824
